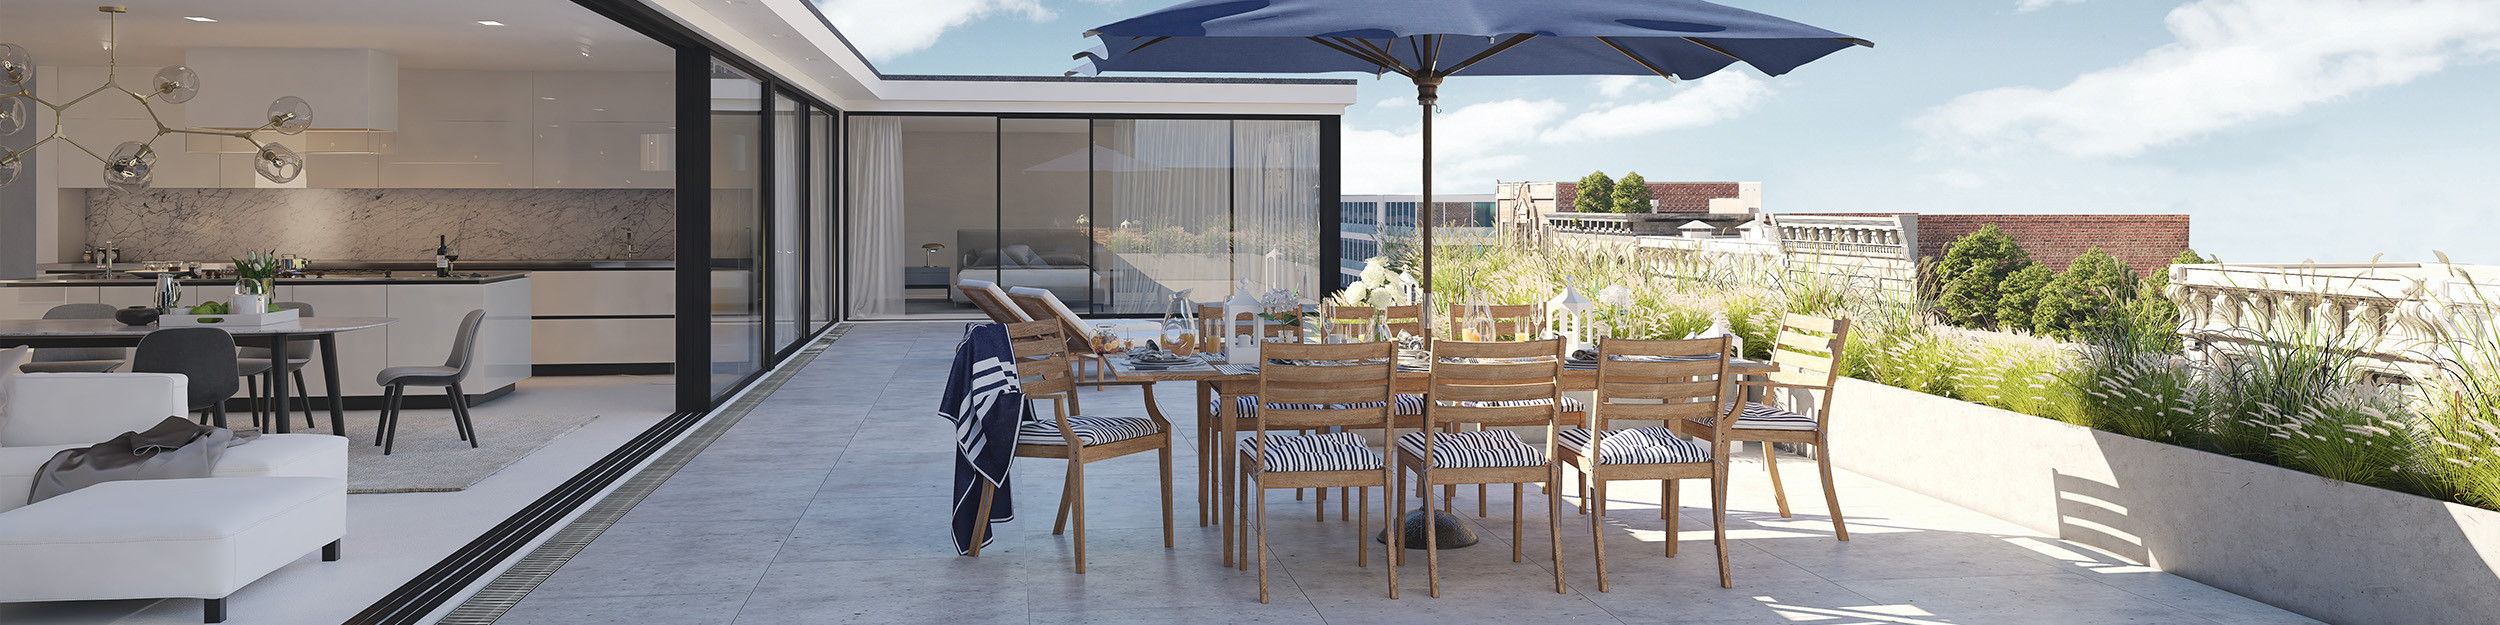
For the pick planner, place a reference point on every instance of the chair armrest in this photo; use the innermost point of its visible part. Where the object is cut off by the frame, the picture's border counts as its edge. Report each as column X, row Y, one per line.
column 88, row 408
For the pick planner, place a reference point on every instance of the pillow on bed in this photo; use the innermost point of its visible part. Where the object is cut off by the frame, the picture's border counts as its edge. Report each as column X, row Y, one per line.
column 980, row 258
column 1064, row 260
column 1022, row 256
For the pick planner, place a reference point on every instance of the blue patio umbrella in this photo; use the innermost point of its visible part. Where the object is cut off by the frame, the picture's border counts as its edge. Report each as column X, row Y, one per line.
column 1431, row 40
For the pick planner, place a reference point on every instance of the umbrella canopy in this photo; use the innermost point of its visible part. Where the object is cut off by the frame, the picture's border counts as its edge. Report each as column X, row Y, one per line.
column 1430, row 40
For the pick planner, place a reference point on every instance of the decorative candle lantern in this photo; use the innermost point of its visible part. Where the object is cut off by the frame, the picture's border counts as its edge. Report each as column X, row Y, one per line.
column 1570, row 314
column 1241, row 345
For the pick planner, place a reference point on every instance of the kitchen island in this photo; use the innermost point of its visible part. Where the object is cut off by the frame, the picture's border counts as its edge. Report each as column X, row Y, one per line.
column 429, row 310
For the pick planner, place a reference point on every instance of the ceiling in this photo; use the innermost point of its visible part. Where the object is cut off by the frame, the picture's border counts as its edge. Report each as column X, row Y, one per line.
column 538, row 35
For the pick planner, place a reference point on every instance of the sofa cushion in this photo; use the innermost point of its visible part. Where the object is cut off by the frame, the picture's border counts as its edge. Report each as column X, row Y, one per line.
column 280, row 455
column 10, row 360
column 17, row 471
column 89, row 408
column 198, row 538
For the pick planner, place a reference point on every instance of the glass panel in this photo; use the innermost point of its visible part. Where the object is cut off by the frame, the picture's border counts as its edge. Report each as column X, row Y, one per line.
column 789, row 205
column 737, row 207
column 923, row 213
column 1276, row 205
column 1043, row 210
column 820, row 224
column 1162, row 188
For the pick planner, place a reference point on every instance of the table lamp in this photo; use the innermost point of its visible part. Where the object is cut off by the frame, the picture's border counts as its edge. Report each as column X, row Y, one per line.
column 932, row 249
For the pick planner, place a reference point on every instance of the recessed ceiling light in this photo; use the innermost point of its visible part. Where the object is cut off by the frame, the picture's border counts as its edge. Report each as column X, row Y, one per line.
column 196, row 18
column 780, row 35
column 489, row 23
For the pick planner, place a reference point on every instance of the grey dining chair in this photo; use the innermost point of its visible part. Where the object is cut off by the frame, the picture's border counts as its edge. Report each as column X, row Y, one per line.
column 254, row 361
column 396, row 380
column 77, row 359
column 205, row 355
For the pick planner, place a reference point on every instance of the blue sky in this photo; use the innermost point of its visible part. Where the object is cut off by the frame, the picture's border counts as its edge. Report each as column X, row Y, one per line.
column 2327, row 130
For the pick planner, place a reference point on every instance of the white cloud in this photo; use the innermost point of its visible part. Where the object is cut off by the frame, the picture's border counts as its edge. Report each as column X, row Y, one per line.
column 1477, row 141
column 885, row 29
column 2234, row 62
column 2026, row 6
column 1702, row 102
column 1618, row 86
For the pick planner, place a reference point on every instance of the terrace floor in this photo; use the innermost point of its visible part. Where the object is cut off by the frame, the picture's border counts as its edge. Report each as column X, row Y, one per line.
column 828, row 504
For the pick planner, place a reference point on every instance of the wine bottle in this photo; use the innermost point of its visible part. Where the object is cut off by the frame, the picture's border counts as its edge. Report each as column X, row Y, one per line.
column 442, row 256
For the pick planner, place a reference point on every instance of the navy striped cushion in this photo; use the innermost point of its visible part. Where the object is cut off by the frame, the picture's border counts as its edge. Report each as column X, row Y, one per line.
column 1761, row 417
column 1342, row 451
column 1248, row 406
column 1089, row 430
column 1649, row 445
column 1466, row 450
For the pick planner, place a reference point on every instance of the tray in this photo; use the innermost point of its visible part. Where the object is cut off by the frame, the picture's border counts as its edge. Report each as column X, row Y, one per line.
column 246, row 320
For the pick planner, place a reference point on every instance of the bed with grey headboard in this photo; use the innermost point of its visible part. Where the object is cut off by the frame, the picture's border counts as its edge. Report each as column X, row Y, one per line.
column 1059, row 260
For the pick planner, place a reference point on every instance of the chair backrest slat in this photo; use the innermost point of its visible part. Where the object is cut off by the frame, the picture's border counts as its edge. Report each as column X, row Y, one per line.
column 1518, row 321
column 1479, row 372
column 1811, row 344
column 1645, row 380
column 1042, row 362
column 1341, row 384
column 1071, row 330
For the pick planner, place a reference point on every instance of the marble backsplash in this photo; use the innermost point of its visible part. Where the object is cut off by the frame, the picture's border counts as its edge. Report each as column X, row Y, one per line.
column 384, row 224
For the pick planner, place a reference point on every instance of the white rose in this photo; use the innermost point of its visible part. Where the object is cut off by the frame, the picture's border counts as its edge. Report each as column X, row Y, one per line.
column 1356, row 294
column 1383, row 298
column 1374, row 272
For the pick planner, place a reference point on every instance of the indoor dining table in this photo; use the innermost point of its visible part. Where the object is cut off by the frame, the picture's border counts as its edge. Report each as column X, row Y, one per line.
column 110, row 333
column 1221, row 384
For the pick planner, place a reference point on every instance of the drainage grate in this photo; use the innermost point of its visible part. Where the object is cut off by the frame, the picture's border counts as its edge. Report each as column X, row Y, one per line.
column 507, row 589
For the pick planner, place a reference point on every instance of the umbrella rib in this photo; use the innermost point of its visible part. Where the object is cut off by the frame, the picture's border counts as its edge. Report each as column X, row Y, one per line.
column 1365, row 56
column 1713, row 48
column 1383, row 53
column 1489, row 52
column 1146, row 45
column 1653, row 67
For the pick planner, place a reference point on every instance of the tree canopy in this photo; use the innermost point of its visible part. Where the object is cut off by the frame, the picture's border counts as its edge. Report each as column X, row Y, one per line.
column 1973, row 274
column 1632, row 194
column 1597, row 194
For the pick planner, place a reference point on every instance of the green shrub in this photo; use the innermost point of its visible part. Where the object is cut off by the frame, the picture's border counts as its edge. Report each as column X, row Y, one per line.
column 2087, row 300
column 1597, row 194
column 2019, row 297
column 1973, row 272
column 1631, row 194
column 2148, row 395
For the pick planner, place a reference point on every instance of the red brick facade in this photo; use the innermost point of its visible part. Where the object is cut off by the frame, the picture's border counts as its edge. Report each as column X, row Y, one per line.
column 1672, row 197
column 2146, row 243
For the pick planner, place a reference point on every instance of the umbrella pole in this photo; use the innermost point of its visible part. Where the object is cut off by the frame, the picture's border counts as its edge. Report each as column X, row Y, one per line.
column 1428, row 94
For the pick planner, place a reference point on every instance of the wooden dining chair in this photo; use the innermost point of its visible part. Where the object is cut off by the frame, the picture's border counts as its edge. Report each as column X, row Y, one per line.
column 986, row 296
column 1070, row 434
column 1407, row 320
column 1491, row 384
column 1326, row 387
column 1510, row 322
column 1668, row 382
column 1808, row 352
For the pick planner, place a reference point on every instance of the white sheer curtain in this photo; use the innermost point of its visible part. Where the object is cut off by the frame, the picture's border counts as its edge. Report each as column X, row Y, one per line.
column 875, row 177
column 1276, row 204
column 1166, row 207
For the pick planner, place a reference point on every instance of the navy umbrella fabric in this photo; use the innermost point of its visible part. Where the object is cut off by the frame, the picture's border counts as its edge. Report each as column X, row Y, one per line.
column 1430, row 40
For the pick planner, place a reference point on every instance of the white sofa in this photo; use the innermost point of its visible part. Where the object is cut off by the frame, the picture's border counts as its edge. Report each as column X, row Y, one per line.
column 266, row 504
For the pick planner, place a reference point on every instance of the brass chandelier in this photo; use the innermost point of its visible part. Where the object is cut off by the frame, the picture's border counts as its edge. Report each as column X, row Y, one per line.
column 133, row 164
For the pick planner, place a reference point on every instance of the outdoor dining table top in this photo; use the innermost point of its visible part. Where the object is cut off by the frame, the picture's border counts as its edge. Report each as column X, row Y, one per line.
column 1572, row 378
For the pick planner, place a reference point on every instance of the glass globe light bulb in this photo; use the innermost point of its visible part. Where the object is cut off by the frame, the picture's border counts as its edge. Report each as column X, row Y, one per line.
column 176, row 84
column 290, row 115
column 277, row 163
column 8, row 168
column 12, row 115
column 131, row 166
column 17, row 68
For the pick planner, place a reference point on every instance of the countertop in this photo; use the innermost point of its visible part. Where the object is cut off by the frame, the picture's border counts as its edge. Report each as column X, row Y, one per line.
column 340, row 277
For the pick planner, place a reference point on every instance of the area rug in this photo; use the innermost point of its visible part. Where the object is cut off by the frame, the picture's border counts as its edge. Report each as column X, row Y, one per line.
column 431, row 458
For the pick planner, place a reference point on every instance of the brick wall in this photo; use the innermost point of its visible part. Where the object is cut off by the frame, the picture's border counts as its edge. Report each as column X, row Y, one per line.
column 1672, row 197
column 2144, row 242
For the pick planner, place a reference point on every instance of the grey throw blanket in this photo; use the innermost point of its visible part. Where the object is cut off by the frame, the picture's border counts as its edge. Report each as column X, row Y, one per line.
column 175, row 448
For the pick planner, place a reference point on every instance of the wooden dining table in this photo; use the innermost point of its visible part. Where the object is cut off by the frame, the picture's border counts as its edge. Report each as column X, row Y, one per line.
column 1221, row 384
column 110, row 333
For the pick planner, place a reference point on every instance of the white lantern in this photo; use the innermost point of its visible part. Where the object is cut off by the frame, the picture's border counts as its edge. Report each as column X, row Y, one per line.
column 1570, row 312
column 1241, row 347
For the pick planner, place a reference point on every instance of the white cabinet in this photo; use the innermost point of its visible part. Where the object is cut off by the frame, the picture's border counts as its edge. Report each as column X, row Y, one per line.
column 603, row 317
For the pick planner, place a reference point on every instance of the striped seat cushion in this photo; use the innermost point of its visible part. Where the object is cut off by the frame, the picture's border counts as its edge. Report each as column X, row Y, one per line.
column 1761, row 417
column 1248, row 406
column 1342, row 451
column 1470, row 450
column 1649, row 445
column 1568, row 404
column 1090, row 430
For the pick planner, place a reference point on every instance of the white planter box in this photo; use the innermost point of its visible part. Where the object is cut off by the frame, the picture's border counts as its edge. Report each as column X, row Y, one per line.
column 2338, row 552
column 245, row 320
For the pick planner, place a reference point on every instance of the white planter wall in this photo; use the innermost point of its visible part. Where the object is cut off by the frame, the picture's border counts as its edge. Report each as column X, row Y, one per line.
column 2334, row 551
